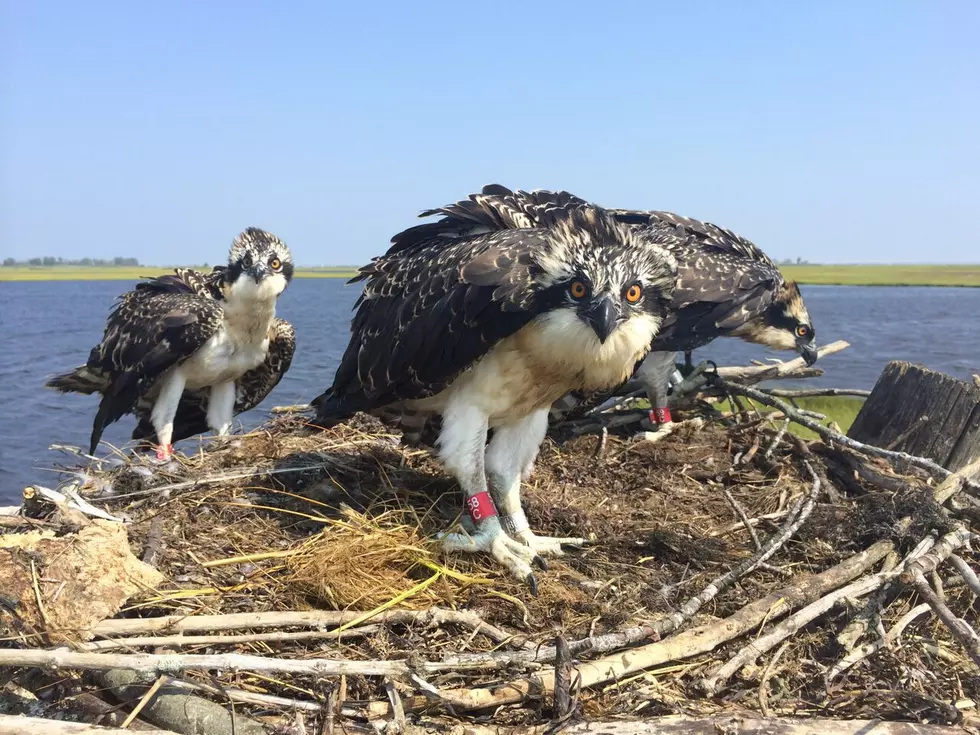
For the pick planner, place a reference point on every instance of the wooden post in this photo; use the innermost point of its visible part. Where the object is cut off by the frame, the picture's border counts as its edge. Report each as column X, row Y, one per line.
column 916, row 410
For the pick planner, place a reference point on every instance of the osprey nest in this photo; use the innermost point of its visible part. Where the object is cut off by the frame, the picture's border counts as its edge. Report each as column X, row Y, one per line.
column 742, row 576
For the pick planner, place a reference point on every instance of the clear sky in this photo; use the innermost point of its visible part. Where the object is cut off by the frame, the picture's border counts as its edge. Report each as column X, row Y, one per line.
column 835, row 131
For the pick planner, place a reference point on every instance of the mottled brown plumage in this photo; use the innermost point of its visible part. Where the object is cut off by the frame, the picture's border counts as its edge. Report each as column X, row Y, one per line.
column 184, row 321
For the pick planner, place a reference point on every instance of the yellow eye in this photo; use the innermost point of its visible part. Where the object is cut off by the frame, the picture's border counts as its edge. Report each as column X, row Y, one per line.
column 275, row 264
column 633, row 293
column 802, row 331
column 578, row 290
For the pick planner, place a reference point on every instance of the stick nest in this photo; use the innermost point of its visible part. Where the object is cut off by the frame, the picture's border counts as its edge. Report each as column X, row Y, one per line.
column 288, row 518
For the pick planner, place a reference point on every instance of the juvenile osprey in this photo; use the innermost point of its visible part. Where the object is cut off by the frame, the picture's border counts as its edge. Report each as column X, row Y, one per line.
column 726, row 285
column 188, row 351
column 487, row 325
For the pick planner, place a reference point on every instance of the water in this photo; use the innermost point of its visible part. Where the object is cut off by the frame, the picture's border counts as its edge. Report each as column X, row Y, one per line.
column 49, row 327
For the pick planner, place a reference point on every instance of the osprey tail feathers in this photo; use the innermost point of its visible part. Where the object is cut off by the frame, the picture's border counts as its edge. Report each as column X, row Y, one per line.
column 332, row 409
column 83, row 379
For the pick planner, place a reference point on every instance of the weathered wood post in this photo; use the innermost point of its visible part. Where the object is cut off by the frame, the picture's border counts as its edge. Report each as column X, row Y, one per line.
column 916, row 410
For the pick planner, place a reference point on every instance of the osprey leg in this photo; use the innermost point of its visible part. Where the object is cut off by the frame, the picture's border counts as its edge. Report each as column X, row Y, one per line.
column 461, row 449
column 164, row 410
column 221, row 407
column 654, row 375
column 509, row 460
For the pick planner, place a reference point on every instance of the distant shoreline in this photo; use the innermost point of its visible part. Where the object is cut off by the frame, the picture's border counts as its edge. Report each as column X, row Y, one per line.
column 813, row 275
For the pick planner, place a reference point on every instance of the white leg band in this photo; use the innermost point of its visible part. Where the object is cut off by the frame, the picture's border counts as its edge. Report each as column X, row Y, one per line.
column 515, row 523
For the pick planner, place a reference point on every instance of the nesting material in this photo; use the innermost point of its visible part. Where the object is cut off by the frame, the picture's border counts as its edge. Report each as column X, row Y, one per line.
column 361, row 563
column 302, row 546
column 59, row 587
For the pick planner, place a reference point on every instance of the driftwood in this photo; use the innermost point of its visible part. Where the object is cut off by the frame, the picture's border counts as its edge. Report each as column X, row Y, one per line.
column 919, row 411
column 795, row 368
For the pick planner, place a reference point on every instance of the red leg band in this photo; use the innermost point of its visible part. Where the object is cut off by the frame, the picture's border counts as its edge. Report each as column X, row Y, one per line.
column 660, row 415
column 480, row 506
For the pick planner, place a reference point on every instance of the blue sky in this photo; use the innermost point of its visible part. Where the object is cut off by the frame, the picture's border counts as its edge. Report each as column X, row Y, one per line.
column 835, row 131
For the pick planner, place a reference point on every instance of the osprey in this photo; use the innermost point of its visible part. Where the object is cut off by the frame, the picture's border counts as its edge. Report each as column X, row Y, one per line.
column 726, row 286
column 188, row 351
column 487, row 326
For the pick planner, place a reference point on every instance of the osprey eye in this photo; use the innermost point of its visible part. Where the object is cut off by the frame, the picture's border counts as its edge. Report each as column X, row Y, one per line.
column 275, row 263
column 633, row 293
column 802, row 331
column 578, row 290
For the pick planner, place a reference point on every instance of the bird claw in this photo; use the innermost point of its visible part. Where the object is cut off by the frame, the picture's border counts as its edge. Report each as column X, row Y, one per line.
column 532, row 583
column 514, row 556
column 550, row 545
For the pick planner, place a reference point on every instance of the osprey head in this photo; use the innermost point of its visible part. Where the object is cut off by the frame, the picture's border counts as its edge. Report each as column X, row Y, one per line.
column 788, row 324
column 609, row 275
column 259, row 264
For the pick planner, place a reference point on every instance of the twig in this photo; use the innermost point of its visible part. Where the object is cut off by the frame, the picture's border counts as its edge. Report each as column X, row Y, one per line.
column 859, row 654
column 173, row 663
column 766, row 674
column 796, row 621
column 740, row 512
column 397, row 708
column 792, row 524
column 835, row 436
column 688, row 643
column 245, row 697
column 143, row 700
column 960, row 629
column 966, row 572
column 789, row 368
column 859, row 624
column 435, row 616
column 813, row 392
column 69, row 498
column 213, row 640
column 776, row 439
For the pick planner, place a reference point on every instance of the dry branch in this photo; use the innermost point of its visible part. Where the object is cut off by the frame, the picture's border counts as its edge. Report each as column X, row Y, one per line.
column 174, row 663
column 859, row 654
column 297, row 619
column 796, row 367
column 793, row 623
column 813, row 392
column 688, row 643
column 835, row 436
column 960, row 629
column 218, row 640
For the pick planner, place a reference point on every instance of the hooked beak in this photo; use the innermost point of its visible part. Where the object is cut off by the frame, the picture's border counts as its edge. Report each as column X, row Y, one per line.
column 809, row 352
column 258, row 271
column 602, row 317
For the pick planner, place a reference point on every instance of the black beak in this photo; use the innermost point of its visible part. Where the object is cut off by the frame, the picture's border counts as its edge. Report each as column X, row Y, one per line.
column 809, row 352
column 602, row 317
column 258, row 271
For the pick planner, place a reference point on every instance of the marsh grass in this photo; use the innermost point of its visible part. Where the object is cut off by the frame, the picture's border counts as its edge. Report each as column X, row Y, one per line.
column 884, row 275
column 840, row 409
